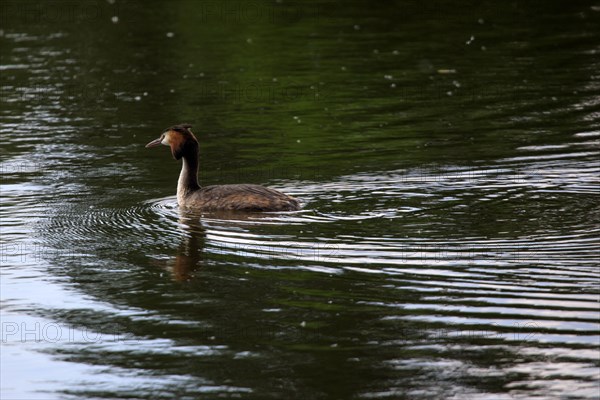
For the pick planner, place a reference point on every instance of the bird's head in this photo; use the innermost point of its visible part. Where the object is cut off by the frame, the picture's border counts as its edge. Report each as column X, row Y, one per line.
column 179, row 137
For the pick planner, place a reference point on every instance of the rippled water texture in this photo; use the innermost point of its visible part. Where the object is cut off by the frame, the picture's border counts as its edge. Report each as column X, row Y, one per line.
column 447, row 158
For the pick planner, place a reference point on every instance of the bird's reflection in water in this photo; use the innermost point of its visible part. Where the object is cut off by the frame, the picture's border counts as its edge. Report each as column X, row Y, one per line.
column 189, row 258
column 189, row 253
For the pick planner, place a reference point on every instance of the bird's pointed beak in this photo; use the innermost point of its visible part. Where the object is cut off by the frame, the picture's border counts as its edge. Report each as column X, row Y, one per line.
column 155, row 142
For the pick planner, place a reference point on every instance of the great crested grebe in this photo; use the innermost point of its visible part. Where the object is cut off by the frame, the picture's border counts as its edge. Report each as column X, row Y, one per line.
column 190, row 194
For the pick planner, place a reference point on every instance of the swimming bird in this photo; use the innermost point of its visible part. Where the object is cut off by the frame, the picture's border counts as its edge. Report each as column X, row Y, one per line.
column 243, row 197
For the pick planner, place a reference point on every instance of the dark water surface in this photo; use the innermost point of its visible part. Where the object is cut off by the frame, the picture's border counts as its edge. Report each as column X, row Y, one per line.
column 447, row 157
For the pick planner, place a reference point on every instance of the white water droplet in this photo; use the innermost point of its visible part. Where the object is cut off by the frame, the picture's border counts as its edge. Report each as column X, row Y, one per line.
column 114, row 19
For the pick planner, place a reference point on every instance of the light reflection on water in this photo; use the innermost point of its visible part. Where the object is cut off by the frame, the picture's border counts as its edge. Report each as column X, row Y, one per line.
column 536, row 287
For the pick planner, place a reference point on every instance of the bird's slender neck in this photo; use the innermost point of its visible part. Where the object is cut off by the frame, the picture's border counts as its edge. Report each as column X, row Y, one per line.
column 188, row 178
